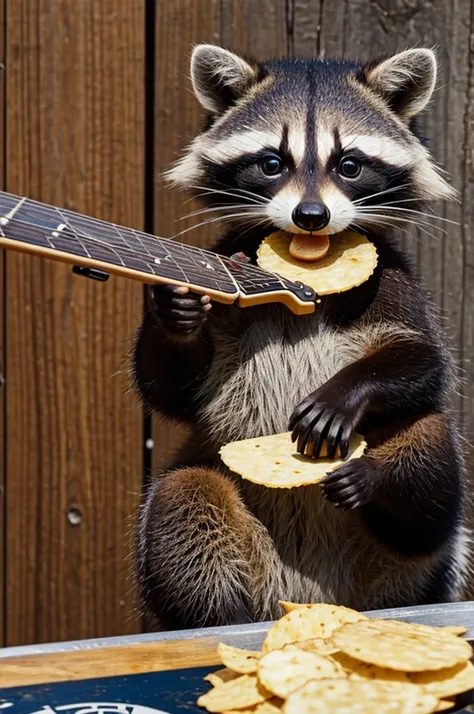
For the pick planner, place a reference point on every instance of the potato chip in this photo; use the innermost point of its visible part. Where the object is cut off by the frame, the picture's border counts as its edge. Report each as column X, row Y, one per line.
column 455, row 629
column 240, row 693
column 443, row 705
column 242, row 661
column 220, row 676
column 330, row 696
column 289, row 606
column 446, row 682
column 272, row 461
column 349, row 262
column 400, row 645
column 270, row 707
column 363, row 670
column 281, row 672
column 308, row 622
column 319, row 645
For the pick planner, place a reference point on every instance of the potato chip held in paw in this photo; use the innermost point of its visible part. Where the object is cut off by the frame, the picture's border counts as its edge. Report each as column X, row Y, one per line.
column 345, row 696
column 272, row 461
column 240, row 693
column 402, row 646
column 349, row 262
column 283, row 671
column 308, row 622
column 242, row 661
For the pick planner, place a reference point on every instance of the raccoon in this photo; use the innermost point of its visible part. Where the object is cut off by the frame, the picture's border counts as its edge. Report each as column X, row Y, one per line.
column 309, row 146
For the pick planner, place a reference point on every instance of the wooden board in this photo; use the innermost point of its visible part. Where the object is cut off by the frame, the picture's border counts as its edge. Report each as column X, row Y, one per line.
column 75, row 132
column 108, row 662
column 257, row 29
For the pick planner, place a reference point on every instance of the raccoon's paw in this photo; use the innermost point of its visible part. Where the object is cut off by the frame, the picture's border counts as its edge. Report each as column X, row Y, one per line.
column 179, row 311
column 323, row 417
column 353, row 484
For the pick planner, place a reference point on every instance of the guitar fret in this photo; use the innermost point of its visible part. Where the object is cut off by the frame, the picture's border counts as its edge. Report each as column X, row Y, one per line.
column 68, row 232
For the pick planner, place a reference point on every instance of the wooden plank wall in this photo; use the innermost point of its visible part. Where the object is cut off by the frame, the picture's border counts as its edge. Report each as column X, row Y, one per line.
column 76, row 136
column 2, row 337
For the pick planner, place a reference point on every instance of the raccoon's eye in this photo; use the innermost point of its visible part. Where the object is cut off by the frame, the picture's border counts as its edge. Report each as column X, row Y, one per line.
column 271, row 165
column 349, row 167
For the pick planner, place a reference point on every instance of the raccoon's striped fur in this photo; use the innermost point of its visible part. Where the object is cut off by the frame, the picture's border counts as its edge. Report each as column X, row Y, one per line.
column 318, row 146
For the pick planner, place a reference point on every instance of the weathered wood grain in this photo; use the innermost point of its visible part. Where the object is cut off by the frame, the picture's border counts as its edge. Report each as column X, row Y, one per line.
column 109, row 662
column 75, row 133
column 255, row 28
column 2, row 339
column 179, row 26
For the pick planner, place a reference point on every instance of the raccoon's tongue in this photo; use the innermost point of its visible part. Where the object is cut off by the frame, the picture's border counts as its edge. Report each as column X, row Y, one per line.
column 309, row 247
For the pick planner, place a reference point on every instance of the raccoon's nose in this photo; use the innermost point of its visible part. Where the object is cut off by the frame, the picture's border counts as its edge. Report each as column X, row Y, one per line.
column 311, row 216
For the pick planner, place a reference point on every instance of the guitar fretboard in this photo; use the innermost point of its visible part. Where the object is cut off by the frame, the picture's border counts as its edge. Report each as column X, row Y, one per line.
column 66, row 231
column 62, row 231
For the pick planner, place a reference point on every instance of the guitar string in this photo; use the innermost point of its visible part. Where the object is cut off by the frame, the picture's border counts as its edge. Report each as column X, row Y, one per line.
column 256, row 274
column 220, row 277
column 101, row 227
column 45, row 210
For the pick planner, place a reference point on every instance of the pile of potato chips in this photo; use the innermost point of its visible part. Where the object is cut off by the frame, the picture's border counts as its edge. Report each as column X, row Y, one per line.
column 324, row 658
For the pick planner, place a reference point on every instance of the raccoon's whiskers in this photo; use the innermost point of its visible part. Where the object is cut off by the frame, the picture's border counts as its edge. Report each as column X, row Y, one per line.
column 215, row 219
column 389, row 217
column 228, row 207
column 393, row 222
column 358, row 201
column 236, row 193
column 388, row 207
column 254, row 225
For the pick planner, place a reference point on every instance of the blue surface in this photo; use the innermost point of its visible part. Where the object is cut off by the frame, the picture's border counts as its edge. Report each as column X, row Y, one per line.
column 173, row 692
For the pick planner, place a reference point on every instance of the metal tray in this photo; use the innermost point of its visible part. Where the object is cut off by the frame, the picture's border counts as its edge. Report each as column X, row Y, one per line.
column 251, row 636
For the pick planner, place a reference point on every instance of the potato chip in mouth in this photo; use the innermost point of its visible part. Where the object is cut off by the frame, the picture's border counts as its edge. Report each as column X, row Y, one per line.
column 349, row 261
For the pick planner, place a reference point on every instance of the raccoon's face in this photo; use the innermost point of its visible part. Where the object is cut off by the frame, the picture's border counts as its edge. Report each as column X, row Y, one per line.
column 312, row 145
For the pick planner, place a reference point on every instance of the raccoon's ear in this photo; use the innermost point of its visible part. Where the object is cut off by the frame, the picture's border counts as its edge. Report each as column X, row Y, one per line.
column 219, row 77
column 406, row 81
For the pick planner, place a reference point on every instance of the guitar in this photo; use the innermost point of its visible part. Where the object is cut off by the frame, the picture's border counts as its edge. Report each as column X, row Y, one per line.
column 94, row 246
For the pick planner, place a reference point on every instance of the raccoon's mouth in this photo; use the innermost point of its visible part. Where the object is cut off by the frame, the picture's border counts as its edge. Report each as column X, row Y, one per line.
column 309, row 247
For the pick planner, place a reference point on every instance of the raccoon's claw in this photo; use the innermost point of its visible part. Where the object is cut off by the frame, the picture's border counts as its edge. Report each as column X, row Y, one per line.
column 178, row 310
column 317, row 420
column 352, row 485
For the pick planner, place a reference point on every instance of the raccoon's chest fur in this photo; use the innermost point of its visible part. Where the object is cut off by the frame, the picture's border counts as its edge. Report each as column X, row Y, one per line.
column 266, row 361
column 264, row 364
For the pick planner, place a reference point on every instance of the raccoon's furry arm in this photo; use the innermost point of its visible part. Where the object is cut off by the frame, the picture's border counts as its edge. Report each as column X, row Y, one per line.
column 167, row 372
column 405, row 371
column 408, row 486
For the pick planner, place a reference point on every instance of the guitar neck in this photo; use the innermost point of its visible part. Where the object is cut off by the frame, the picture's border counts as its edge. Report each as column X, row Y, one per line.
column 39, row 229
